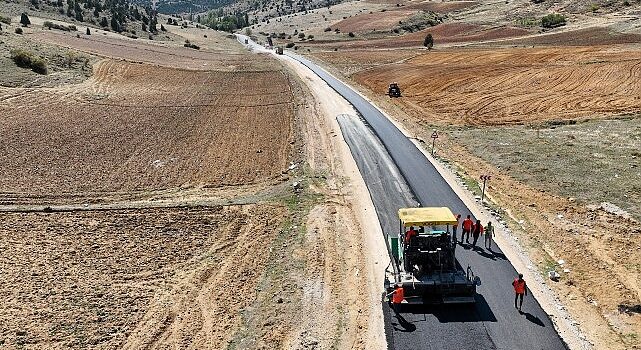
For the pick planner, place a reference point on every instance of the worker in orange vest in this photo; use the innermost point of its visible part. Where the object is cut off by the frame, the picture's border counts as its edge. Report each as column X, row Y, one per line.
column 398, row 295
column 520, row 289
column 467, row 228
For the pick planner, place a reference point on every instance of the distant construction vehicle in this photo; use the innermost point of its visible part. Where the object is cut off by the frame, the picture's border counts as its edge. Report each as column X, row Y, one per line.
column 279, row 50
column 425, row 263
column 394, row 90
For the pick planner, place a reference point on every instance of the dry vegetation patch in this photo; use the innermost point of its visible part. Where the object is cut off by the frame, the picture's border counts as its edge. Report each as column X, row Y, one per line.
column 511, row 86
column 86, row 279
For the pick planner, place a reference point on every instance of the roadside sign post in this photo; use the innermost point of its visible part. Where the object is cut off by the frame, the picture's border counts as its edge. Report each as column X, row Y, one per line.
column 434, row 137
column 484, row 178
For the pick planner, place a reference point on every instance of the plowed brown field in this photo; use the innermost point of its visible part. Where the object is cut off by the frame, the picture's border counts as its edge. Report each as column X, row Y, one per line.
column 137, row 127
column 225, row 56
column 446, row 33
column 151, row 278
column 512, row 86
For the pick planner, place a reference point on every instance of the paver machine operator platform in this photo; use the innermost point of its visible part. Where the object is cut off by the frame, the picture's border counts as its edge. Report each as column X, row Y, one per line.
column 424, row 259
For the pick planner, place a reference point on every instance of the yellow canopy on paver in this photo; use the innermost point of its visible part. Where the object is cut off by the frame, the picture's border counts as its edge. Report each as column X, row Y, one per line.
column 426, row 216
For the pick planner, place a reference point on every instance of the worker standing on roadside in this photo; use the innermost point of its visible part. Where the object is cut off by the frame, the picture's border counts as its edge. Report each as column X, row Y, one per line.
column 477, row 230
column 489, row 235
column 398, row 295
column 467, row 228
column 520, row 289
column 455, row 227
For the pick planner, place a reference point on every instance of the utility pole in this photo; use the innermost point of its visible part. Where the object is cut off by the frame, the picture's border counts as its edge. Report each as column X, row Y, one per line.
column 485, row 178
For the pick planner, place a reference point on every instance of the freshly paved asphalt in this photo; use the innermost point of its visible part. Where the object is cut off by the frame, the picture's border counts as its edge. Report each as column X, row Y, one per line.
column 493, row 322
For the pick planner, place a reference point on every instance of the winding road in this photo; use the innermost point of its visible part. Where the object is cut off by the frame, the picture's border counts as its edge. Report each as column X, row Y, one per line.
column 398, row 174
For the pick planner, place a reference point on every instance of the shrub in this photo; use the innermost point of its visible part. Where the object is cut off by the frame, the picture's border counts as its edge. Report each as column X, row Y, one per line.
column 192, row 46
column 429, row 41
column 21, row 58
column 328, row 29
column 19, row 30
column 351, row 35
column 24, row 19
column 26, row 59
column 39, row 65
column 290, row 45
column 50, row 25
column 310, row 37
column 88, row 31
column 553, row 20
column 5, row 20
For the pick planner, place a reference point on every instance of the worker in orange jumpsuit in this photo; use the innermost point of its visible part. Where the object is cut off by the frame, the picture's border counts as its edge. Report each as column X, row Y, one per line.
column 467, row 228
column 520, row 290
column 398, row 295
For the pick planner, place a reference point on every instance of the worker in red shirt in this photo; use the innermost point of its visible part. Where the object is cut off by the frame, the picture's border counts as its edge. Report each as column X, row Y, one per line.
column 398, row 295
column 410, row 234
column 467, row 228
column 477, row 230
column 455, row 228
column 520, row 289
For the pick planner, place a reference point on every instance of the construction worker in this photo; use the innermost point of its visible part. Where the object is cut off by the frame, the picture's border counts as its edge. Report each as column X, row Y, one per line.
column 477, row 230
column 467, row 228
column 520, row 289
column 410, row 234
column 398, row 295
column 489, row 235
column 455, row 227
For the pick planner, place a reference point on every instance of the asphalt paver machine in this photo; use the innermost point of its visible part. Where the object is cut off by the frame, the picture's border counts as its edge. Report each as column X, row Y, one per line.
column 425, row 263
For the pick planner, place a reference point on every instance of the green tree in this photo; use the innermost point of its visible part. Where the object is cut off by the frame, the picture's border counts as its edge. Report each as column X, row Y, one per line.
column 24, row 19
column 103, row 22
column 78, row 11
column 429, row 41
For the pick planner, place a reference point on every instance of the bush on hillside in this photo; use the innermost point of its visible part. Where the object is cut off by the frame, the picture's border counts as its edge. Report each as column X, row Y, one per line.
column 553, row 20
column 26, row 59
column 429, row 41
column 19, row 30
column 290, row 45
column 5, row 20
column 24, row 19
column 51, row 25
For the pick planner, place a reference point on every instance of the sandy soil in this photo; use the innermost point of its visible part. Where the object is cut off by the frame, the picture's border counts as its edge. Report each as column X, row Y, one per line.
column 339, row 316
